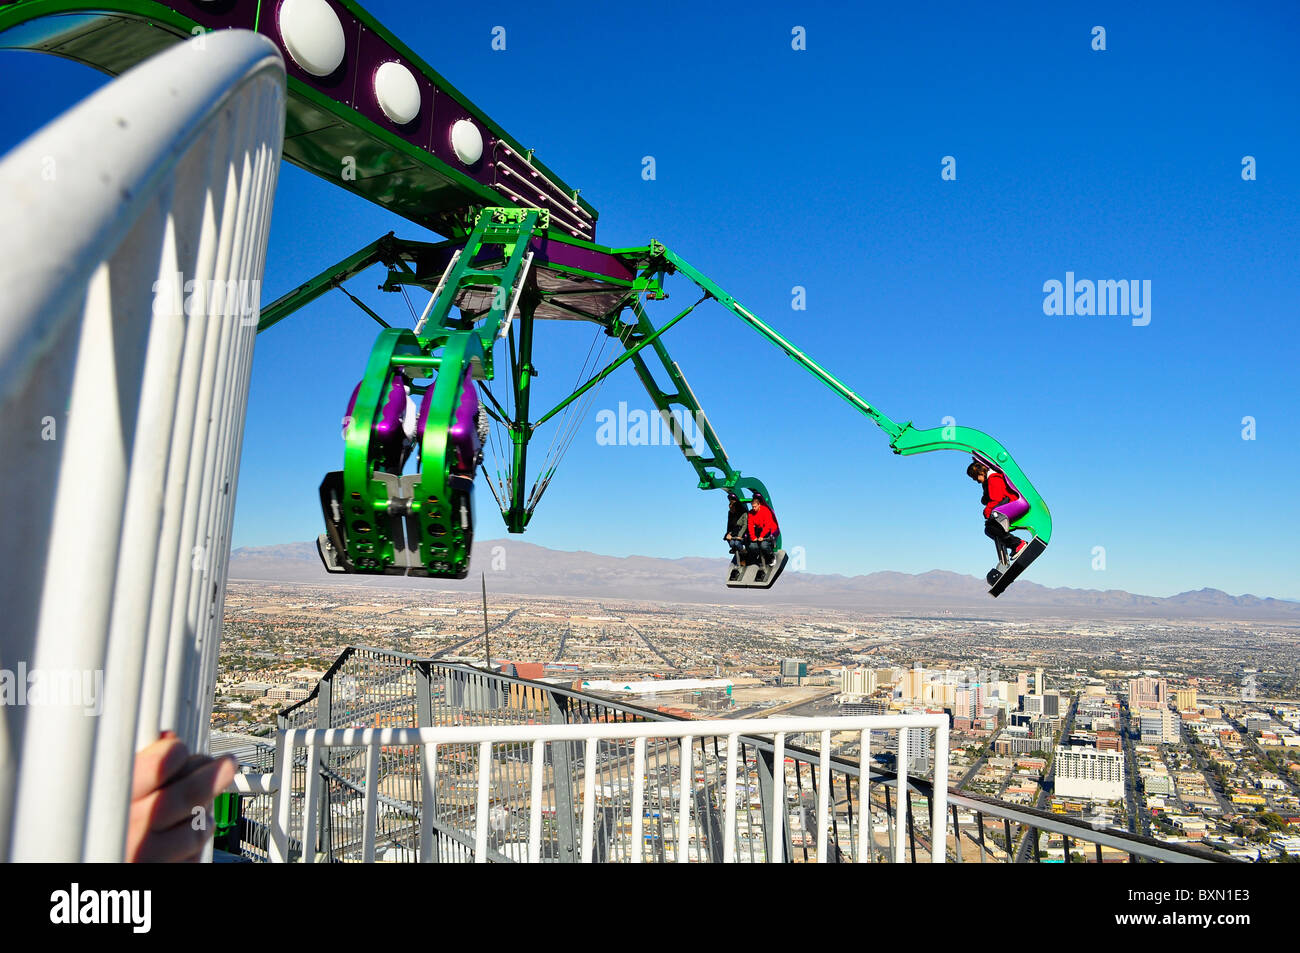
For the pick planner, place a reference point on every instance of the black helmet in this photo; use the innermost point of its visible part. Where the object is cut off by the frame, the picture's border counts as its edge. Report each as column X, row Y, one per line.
column 731, row 496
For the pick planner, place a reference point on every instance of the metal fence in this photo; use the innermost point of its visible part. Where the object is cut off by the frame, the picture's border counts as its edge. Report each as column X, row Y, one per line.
column 504, row 769
column 644, row 793
column 530, row 771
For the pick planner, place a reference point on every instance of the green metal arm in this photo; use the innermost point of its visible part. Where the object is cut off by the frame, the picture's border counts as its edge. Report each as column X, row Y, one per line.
column 384, row 250
column 678, row 264
column 904, row 439
column 712, row 467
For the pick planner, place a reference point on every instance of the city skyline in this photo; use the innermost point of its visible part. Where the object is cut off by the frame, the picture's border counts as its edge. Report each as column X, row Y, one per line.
column 1179, row 730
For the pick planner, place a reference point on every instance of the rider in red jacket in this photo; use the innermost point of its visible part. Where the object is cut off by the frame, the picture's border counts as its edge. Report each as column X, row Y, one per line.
column 1002, row 505
column 762, row 521
column 996, row 492
column 762, row 527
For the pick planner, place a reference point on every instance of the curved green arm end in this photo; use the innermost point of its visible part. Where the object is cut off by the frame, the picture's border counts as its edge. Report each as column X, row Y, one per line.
column 1038, row 518
column 442, row 540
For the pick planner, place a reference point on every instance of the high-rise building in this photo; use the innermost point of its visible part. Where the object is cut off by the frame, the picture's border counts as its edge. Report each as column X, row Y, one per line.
column 1039, row 685
column 919, row 747
column 1001, row 691
column 1052, row 704
column 1033, row 704
column 913, row 684
column 1017, row 741
column 857, row 681
column 1159, row 726
column 1089, row 773
column 965, row 704
column 1147, row 693
column 939, row 694
column 1185, row 699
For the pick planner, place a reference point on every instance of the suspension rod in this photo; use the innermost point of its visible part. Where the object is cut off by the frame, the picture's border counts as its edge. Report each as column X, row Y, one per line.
column 615, row 364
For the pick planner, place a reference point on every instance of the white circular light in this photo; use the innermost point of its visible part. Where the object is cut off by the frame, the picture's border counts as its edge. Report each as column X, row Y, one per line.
column 466, row 141
column 397, row 92
column 313, row 35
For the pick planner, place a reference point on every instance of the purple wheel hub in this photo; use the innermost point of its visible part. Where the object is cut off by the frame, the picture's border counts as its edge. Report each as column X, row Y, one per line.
column 462, row 435
column 387, row 430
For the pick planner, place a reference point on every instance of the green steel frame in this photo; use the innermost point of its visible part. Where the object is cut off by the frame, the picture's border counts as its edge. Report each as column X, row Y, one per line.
column 508, row 231
column 904, row 439
column 493, row 237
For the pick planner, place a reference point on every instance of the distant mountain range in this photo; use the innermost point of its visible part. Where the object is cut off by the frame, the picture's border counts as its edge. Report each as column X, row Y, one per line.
column 513, row 566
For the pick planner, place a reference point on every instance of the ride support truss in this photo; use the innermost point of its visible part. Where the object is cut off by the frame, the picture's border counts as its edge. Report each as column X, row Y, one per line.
column 520, row 247
column 490, row 291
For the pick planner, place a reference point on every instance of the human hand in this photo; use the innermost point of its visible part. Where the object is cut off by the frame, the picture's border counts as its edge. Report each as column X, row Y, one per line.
column 170, row 787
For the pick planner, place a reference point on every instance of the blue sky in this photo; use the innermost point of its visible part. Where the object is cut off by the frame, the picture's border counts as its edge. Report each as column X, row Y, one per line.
column 821, row 168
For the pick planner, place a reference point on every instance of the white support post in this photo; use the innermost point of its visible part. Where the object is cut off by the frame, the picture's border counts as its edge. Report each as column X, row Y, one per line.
column 535, row 803
column 729, row 813
column 370, row 817
column 638, row 800
column 310, row 804
column 429, row 799
column 901, row 801
column 588, row 801
column 483, row 801
column 864, row 797
column 939, row 808
column 823, row 797
column 278, row 849
column 685, row 785
column 776, row 829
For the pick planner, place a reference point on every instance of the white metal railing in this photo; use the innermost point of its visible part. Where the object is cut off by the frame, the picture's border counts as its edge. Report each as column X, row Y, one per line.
column 429, row 741
column 131, row 255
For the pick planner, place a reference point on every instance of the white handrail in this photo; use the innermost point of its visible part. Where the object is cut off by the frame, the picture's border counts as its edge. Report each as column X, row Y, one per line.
column 484, row 737
column 132, row 255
